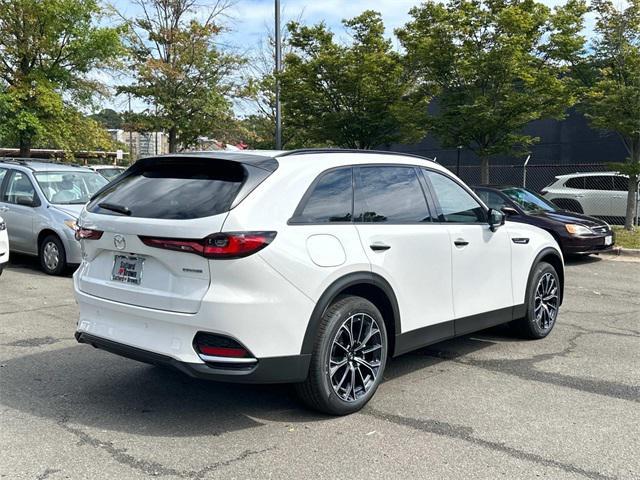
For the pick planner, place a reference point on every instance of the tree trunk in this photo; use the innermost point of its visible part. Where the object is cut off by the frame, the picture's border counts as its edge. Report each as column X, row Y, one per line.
column 25, row 146
column 173, row 140
column 484, row 170
column 632, row 194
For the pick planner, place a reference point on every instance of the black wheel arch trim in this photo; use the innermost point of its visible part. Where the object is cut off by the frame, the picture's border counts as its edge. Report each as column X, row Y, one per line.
column 542, row 254
column 337, row 287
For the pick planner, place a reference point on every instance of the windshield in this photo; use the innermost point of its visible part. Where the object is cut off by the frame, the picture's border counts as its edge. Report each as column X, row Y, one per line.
column 70, row 188
column 110, row 173
column 529, row 201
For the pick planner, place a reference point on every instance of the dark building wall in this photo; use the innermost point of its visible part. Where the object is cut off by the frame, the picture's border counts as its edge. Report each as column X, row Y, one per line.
column 567, row 142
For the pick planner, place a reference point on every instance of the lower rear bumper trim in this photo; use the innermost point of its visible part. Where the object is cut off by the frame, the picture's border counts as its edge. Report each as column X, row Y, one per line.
column 288, row 369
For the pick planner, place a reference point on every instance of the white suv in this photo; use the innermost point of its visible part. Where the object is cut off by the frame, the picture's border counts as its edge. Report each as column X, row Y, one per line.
column 599, row 194
column 311, row 267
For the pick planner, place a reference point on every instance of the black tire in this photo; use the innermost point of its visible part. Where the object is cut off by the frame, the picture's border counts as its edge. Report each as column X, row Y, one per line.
column 49, row 244
column 535, row 324
column 318, row 391
column 1, row 269
column 568, row 204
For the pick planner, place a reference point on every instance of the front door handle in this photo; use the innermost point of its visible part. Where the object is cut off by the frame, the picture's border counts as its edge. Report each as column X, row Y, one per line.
column 460, row 242
column 379, row 247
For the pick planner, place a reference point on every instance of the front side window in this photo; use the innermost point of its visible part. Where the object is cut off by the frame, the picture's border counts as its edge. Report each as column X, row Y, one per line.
column 3, row 173
column 330, row 201
column 19, row 190
column 598, row 182
column 621, row 184
column 69, row 188
column 456, row 204
column 529, row 201
column 388, row 194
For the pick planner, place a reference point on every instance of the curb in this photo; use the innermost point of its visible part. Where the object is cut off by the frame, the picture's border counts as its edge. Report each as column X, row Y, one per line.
column 623, row 252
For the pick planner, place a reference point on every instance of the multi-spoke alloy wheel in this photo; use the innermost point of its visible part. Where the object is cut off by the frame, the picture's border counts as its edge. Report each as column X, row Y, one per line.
column 546, row 301
column 51, row 255
column 355, row 357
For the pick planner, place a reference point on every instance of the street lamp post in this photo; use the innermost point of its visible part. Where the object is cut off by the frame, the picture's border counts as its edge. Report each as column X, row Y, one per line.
column 278, row 55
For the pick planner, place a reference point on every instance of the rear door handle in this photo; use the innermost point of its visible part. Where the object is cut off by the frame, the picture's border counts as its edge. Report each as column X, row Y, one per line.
column 460, row 242
column 379, row 247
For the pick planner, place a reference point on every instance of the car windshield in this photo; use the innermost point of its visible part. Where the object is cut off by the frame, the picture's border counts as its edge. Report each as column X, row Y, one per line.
column 70, row 188
column 529, row 201
column 110, row 173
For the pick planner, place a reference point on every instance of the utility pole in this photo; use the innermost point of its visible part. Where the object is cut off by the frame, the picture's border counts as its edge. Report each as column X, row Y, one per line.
column 278, row 55
column 130, row 132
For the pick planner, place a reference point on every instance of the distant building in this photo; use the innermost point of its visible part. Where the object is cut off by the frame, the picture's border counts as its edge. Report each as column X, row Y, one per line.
column 142, row 144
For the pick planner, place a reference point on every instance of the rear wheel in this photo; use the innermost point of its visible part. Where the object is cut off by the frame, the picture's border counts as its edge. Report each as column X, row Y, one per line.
column 349, row 356
column 53, row 258
column 543, row 302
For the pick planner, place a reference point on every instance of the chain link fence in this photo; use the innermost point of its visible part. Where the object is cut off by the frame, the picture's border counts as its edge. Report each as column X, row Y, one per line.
column 592, row 189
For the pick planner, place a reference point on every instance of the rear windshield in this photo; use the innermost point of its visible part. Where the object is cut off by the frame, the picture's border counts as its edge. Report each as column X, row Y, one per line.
column 173, row 189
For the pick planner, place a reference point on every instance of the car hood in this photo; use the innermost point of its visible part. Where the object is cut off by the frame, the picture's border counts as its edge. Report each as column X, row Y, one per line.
column 566, row 217
column 72, row 210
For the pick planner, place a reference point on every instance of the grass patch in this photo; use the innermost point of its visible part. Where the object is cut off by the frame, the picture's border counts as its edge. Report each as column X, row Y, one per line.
column 626, row 239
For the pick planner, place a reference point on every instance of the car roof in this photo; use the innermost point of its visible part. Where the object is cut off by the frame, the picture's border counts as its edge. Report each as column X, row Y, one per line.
column 107, row 166
column 587, row 174
column 43, row 165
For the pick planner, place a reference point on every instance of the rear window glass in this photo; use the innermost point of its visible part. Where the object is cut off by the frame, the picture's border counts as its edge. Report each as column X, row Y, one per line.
column 175, row 189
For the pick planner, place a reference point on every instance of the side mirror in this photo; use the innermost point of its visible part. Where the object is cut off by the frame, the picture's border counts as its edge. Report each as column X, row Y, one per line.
column 26, row 201
column 509, row 211
column 496, row 219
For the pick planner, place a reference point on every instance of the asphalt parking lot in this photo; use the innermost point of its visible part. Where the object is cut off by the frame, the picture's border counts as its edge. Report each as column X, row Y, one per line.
column 484, row 406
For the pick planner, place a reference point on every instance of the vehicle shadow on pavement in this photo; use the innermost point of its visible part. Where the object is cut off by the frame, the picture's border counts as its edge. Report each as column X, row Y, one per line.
column 89, row 387
column 31, row 264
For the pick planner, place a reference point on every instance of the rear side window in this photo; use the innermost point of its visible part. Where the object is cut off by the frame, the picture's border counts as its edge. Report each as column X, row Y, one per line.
column 577, row 182
column 329, row 201
column 174, row 189
column 599, row 182
column 389, row 195
column 621, row 184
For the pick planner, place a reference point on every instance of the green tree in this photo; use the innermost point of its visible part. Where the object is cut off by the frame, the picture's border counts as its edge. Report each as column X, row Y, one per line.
column 108, row 118
column 612, row 100
column 48, row 50
column 179, row 70
column 493, row 67
column 353, row 95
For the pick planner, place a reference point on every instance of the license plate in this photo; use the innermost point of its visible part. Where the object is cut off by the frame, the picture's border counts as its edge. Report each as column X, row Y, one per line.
column 127, row 269
column 608, row 240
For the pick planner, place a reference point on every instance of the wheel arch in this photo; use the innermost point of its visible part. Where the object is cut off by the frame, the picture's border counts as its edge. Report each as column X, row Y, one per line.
column 368, row 285
column 44, row 233
column 554, row 258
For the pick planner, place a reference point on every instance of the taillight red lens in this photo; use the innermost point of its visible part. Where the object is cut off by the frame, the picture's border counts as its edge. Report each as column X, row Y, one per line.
column 88, row 234
column 223, row 351
column 220, row 245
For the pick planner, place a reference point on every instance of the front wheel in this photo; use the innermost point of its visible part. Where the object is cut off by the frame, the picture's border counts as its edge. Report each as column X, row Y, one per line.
column 53, row 258
column 543, row 303
column 349, row 357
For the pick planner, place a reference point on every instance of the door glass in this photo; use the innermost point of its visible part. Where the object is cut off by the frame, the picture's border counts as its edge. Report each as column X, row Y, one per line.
column 457, row 205
column 492, row 199
column 621, row 184
column 577, row 182
column 19, row 190
column 3, row 173
column 598, row 182
column 330, row 201
column 391, row 195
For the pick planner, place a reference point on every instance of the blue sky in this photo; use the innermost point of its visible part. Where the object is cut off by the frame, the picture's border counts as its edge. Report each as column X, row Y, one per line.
column 249, row 21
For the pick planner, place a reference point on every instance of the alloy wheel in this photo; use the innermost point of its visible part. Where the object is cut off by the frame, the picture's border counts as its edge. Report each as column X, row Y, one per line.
column 355, row 357
column 51, row 255
column 546, row 301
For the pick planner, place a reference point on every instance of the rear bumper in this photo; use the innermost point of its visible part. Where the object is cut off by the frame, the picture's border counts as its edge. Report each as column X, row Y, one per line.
column 289, row 369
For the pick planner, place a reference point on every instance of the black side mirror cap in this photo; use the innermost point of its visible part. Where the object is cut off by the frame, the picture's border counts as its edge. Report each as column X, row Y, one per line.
column 509, row 211
column 496, row 219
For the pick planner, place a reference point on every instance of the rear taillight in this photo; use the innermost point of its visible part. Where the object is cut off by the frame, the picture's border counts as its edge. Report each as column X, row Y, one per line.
column 219, row 245
column 88, row 234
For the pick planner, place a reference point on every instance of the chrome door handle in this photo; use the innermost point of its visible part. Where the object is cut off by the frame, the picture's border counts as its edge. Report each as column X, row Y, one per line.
column 379, row 247
column 460, row 242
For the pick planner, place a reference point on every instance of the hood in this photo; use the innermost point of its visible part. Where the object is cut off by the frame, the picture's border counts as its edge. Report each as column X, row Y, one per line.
column 566, row 217
column 71, row 210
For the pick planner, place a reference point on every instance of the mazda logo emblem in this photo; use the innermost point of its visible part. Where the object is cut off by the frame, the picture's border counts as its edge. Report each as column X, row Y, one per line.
column 119, row 242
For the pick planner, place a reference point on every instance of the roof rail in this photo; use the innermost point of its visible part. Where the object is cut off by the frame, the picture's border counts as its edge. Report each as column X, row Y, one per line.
column 305, row 151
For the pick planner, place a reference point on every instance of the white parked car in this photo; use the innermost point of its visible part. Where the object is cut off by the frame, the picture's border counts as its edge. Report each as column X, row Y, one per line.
column 311, row 267
column 598, row 194
column 4, row 245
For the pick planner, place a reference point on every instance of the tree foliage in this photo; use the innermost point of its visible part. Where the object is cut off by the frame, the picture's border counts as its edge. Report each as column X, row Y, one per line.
column 353, row 95
column 612, row 100
column 179, row 70
column 48, row 50
column 493, row 66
